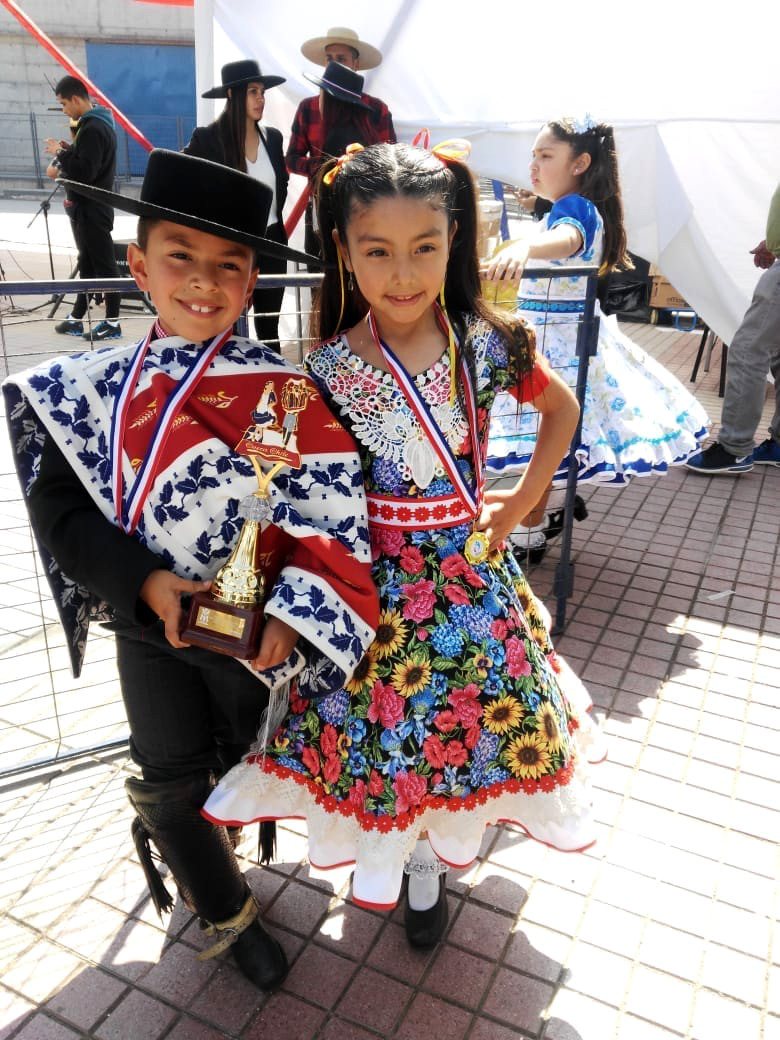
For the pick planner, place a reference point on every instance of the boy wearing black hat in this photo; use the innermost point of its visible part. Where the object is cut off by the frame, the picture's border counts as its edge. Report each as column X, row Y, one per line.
column 133, row 461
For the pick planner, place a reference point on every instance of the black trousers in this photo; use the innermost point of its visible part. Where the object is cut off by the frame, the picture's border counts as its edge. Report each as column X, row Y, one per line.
column 268, row 302
column 311, row 237
column 92, row 226
column 189, row 710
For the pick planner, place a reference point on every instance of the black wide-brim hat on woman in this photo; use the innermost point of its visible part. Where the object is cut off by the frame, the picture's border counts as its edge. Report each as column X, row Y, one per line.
column 341, row 83
column 236, row 73
column 202, row 195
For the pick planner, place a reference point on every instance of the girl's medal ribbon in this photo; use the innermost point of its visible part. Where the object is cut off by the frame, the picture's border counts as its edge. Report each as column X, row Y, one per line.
column 476, row 546
column 128, row 510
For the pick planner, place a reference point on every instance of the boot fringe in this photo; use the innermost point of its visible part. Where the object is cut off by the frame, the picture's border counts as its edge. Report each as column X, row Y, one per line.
column 266, row 842
column 161, row 897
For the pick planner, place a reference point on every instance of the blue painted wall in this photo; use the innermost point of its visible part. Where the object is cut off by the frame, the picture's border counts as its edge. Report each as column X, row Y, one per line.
column 154, row 86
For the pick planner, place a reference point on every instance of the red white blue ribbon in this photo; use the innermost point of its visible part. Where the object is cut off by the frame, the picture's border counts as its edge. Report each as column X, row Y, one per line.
column 471, row 497
column 128, row 509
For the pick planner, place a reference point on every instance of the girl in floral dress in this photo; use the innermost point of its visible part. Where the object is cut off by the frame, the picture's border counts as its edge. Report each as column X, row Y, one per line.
column 460, row 715
column 638, row 419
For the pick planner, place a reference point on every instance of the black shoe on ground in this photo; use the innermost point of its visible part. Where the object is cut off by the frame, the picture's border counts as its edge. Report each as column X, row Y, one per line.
column 555, row 519
column 103, row 330
column 259, row 957
column 527, row 546
column 424, row 928
column 70, row 327
column 526, row 556
column 716, row 459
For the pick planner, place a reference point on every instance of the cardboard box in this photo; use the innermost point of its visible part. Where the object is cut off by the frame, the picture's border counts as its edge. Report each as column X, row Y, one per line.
column 664, row 294
column 654, row 271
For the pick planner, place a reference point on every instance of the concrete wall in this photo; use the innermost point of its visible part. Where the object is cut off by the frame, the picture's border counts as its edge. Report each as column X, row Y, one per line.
column 24, row 64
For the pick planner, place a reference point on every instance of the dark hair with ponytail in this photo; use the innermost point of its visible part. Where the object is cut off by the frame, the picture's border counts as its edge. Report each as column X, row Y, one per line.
column 400, row 170
column 231, row 123
column 600, row 183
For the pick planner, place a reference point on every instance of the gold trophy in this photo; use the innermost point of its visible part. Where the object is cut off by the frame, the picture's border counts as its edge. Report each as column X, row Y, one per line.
column 228, row 618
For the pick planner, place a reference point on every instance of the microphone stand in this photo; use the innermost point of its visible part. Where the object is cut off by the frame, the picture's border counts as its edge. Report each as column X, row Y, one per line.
column 7, row 296
column 44, row 208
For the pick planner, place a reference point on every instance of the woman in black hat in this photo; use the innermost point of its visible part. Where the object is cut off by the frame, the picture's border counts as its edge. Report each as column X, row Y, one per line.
column 236, row 139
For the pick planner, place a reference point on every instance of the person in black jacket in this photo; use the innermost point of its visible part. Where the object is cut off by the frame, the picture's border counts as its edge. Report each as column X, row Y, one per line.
column 90, row 159
column 236, row 139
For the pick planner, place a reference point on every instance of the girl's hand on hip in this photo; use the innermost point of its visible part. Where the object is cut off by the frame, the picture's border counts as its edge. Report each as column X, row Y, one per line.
column 501, row 512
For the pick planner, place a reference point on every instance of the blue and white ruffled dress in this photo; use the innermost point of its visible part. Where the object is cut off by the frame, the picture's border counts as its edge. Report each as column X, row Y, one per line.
column 638, row 418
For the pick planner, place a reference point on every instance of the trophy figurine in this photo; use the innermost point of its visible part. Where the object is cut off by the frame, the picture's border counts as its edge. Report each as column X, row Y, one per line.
column 229, row 616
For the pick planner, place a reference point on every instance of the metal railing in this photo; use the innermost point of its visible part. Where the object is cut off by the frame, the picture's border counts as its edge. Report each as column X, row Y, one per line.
column 23, row 156
column 47, row 717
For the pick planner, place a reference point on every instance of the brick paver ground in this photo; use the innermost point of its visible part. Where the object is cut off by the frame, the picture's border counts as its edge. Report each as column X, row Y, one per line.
column 665, row 929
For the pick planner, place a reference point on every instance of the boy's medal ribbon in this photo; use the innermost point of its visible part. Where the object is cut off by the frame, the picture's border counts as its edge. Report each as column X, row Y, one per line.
column 476, row 547
column 128, row 510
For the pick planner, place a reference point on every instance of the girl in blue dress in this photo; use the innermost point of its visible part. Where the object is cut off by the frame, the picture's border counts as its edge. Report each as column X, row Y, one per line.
column 638, row 418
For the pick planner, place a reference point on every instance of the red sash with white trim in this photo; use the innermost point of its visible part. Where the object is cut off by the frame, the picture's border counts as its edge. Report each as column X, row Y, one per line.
column 418, row 513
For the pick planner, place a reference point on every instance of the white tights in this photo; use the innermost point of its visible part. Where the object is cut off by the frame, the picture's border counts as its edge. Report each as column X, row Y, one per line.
column 423, row 868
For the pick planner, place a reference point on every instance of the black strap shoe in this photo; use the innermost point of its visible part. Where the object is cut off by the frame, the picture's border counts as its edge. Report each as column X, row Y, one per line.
column 424, row 928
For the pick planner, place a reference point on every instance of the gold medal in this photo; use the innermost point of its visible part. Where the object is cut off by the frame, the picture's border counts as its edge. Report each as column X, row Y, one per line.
column 476, row 548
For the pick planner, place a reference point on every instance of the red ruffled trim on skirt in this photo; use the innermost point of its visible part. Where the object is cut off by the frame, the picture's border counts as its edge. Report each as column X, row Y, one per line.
column 384, row 822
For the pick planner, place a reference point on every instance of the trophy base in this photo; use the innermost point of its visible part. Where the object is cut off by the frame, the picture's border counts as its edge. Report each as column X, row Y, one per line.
column 223, row 627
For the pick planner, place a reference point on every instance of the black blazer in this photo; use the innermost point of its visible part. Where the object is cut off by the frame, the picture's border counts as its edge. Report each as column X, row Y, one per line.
column 206, row 143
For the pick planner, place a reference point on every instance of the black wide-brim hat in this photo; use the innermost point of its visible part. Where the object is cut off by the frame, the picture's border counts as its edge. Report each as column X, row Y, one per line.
column 203, row 195
column 235, row 73
column 341, row 82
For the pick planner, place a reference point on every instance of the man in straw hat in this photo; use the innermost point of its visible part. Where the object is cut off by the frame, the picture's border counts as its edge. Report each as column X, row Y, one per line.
column 133, row 462
column 304, row 152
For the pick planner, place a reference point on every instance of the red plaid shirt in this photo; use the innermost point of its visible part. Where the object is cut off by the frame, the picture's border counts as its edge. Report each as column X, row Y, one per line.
column 304, row 154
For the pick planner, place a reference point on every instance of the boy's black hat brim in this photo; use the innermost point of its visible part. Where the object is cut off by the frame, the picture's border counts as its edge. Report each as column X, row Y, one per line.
column 140, row 208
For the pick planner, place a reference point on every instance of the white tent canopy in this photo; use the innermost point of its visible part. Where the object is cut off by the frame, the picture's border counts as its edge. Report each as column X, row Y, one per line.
column 691, row 88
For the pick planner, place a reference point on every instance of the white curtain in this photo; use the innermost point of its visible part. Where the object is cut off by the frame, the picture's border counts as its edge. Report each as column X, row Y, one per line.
column 691, row 88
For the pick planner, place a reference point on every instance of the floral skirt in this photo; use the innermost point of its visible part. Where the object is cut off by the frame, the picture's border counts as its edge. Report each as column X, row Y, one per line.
column 638, row 418
column 460, row 715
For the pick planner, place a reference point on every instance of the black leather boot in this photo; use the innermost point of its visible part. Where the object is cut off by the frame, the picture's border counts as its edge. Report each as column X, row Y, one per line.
column 202, row 861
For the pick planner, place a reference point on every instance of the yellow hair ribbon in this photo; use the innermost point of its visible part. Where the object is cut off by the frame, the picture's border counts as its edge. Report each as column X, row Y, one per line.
column 451, row 345
column 352, row 149
column 456, row 149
